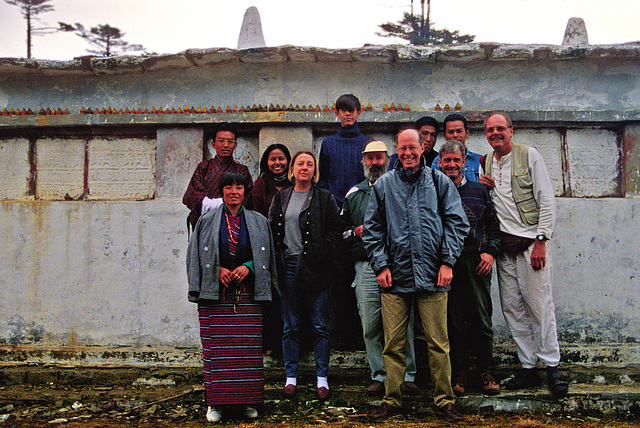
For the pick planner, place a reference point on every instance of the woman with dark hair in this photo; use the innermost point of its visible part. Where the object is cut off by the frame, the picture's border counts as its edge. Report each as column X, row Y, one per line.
column 231, row 268
column 274, row 166
column 306, row 227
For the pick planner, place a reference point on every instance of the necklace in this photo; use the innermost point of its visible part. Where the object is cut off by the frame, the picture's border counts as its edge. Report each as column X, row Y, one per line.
column 230, row 233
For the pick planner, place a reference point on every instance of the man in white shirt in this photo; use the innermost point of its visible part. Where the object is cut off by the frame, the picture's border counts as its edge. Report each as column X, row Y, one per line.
column 524, row 200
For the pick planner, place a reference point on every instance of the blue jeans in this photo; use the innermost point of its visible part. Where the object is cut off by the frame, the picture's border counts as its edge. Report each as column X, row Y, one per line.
column 296, row 301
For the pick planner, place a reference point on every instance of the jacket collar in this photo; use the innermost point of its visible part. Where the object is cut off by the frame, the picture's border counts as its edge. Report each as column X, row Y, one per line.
column 407, row 175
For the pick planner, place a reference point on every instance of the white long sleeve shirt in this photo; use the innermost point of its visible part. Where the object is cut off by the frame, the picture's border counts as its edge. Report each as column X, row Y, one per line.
column 510, row 221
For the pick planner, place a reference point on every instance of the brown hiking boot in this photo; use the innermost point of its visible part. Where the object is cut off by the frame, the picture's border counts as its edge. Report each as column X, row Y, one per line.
column 385, row 411
column 458, row 385
column 489, row 384
column 450, row 413
column 375, row 388
column 410, row 388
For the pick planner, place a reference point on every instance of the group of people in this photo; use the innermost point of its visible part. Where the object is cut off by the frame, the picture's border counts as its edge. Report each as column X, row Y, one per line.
column 423, row 230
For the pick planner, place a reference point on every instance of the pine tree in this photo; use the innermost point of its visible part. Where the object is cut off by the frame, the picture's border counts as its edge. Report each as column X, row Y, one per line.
column 418, row 30
column 30, row 9
column 106, row 40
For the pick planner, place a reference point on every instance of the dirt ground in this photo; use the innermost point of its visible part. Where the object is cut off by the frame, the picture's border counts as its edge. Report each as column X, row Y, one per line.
column 167, row 406
column 46, row 396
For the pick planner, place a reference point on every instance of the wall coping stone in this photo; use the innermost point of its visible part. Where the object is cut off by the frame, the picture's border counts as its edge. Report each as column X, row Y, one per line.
column 389, row 54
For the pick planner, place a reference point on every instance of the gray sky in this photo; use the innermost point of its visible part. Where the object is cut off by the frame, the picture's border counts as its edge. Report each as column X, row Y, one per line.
column 169, row 26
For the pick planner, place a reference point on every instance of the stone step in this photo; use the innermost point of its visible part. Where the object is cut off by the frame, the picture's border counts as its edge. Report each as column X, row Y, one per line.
column 593, row 389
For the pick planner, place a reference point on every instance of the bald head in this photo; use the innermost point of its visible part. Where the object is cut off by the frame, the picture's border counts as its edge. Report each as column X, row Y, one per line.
column 409, row 149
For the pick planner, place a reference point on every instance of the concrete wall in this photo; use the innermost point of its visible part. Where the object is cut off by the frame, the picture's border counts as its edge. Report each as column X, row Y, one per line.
column 478, row 76
column 91, row 219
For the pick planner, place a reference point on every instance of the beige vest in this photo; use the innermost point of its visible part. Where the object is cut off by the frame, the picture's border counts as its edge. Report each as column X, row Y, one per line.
column 521, row 183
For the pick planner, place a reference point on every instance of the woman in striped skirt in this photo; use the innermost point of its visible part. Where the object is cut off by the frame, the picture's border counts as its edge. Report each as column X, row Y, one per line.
column 231, row 271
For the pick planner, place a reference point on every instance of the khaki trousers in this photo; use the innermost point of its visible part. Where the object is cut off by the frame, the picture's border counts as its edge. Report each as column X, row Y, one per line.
column 395, row 318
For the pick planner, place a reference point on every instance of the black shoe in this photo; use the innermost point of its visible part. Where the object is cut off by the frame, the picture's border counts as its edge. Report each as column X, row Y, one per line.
column 525, row 378
column 556, row 383
column 385, row 411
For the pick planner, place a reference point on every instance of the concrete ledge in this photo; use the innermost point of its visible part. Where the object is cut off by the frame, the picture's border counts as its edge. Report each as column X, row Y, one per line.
column 615, row 358
column 38, row 383
column 550, row 118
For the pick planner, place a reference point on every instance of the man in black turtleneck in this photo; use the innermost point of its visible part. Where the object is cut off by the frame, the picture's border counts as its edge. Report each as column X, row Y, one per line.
column 340, row 169
column 341, row 154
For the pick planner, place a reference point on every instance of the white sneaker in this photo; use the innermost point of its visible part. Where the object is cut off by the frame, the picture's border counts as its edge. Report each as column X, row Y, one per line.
column 250, row 412
column 213, row 415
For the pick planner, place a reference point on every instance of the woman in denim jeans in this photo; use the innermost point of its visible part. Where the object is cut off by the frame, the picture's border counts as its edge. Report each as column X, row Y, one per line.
column 306, row 227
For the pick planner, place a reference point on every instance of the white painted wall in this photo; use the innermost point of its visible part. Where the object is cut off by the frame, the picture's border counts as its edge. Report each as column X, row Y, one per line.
column 113, row 273
column 110, row 269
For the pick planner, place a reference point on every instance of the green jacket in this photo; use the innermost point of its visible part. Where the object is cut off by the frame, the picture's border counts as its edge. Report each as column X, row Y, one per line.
column 353, row 209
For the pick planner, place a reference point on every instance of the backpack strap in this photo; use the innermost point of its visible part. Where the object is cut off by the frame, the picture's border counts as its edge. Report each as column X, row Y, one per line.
column 435, row 184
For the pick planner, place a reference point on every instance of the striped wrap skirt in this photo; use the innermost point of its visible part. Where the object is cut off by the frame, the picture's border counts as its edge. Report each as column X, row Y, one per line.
column 231, row 334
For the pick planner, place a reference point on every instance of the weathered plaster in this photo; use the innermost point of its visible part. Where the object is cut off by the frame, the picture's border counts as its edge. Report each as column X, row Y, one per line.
column 179, row 151
column 96, row 273
column 631, row 154
column 60, row 168
column 295, row 138
column 122, row 168
column 15, row 170
column 113, row 273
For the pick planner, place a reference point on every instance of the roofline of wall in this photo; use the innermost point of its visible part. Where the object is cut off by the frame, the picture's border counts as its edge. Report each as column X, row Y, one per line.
column 387, row 54
column 543, row 118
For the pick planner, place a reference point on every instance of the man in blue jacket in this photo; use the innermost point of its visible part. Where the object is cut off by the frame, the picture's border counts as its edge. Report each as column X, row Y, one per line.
column 375, row 161
column 414, row 231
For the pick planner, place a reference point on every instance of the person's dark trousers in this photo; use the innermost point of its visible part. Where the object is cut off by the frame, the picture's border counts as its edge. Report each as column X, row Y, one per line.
column 469, row 316
column 272, row 326
column 344, row 321
column 296, row 304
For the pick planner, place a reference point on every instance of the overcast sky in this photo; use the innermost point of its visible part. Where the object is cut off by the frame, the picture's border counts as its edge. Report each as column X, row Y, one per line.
column 169, row 26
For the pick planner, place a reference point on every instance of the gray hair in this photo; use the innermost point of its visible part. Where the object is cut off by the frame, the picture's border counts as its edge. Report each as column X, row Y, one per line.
column 453, row 146
column 386, row 163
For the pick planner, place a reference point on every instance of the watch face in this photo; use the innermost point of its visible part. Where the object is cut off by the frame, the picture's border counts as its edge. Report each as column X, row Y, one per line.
column 540, row 237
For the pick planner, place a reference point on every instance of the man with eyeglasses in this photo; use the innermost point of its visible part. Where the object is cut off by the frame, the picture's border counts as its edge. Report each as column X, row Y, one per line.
column 456, row 128
column 427, row 127
column 202, row 194
column 414, row 231
column 524, row 201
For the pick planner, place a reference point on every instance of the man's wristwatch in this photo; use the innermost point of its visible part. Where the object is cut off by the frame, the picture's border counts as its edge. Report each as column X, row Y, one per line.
column 541, row 237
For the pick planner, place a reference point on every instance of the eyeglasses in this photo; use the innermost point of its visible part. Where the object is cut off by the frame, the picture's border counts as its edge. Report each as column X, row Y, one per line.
column 497, row 128
column 225, row 140
column 408, row 149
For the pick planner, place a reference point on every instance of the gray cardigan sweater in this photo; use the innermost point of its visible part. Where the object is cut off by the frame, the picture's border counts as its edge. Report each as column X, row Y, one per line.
column 203, row 257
